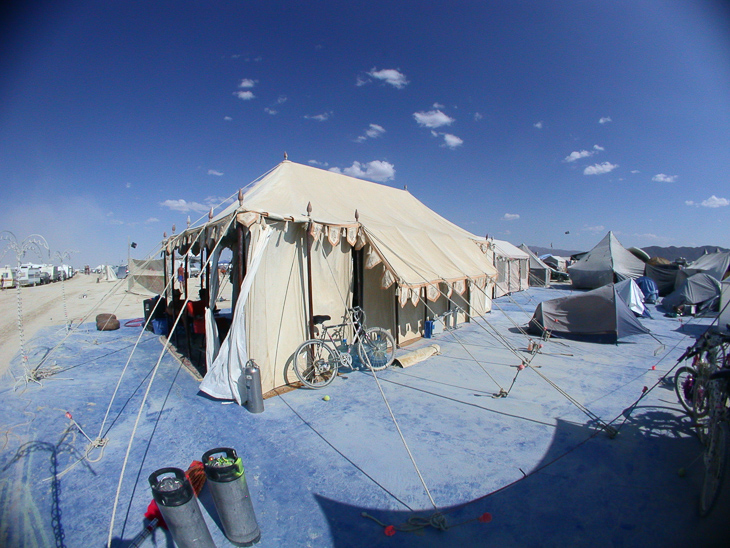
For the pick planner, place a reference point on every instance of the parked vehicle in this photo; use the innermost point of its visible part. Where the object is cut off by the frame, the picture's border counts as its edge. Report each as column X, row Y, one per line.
column 29, row 275
column 7, row 277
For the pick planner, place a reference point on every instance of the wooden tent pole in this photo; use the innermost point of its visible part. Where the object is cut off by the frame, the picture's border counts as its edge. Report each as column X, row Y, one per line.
column 164, row 265
column 310, row 244
column 397, row 317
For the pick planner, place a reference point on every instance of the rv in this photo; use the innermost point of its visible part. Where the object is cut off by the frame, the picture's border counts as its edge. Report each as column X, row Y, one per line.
column 29, row 275
column 7, row 277
column 50, row 273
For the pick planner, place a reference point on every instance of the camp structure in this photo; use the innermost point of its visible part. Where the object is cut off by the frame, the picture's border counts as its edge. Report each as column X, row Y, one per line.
column 723, row 318
column 311, row 242
column 539, row 271
column 606, row 263
column 631, row 294
column 146, row 276
column 713, row 264
column 513, row 269
column 664, row 274
column 698, row 293
column 599, row 315
column 107, row 273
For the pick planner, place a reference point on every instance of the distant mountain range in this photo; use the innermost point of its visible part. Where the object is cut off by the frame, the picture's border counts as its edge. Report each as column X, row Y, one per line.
column 670, row 253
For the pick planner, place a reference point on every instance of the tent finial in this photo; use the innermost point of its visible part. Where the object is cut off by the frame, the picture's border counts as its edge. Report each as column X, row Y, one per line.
column 309, row 209
column 210, row 214
column 188, row 221
column 405, row 187
column 173, row 228
column 286, row 156
column 164, row 235
column 357, row 216
column 240, row 196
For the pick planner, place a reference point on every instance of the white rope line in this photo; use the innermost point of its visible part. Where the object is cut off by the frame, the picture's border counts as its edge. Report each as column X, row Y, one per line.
column 146, row 394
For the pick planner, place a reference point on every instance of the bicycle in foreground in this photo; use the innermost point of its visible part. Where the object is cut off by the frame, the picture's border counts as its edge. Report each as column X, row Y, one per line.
column 317, row 361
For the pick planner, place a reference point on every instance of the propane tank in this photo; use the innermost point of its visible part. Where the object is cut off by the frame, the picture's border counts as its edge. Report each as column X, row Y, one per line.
column 180, row 509
column 227, row 483
column 254, row 396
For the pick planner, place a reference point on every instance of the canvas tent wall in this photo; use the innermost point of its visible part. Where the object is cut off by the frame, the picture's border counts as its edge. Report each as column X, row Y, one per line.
column 600, row 315
column 539, row 271
column 723, row 319
column 146, row 276
column 665, row 276
column 107, row 274
column 512, row 266
column 700, row 289
column 371, row 245
column 606, row 263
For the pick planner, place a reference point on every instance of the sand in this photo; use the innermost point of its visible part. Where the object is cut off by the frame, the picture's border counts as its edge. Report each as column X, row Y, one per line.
column 43, row 306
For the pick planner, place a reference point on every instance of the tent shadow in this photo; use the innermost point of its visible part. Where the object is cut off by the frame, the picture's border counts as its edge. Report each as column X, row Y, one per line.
column 588, row 489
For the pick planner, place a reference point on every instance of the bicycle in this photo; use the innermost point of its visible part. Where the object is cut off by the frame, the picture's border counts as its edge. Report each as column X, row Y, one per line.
column 691, row 381
column 317, row 361
column 716, row 441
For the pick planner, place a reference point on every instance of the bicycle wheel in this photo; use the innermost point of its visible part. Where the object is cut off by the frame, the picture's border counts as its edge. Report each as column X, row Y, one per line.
column 315, row 364
column 376, row 349
column 716, row 454
column 684, row 381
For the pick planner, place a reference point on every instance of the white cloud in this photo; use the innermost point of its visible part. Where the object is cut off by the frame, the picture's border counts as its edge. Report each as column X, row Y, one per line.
column 452, row 141
column 597, row 228
column 578, row 154
column 372, row 132
column 247, row 83
column 316, row 163
column 605, row 120
column 635, row 171
column 128, row 185
column 115, row 222
column 538, row 125
column 478, row 116
column 184, row 206
column 598, row 148
column 432, row 119
column 227, row 119
column 215, row 172
column 377, row 170
column 510, row 217
column 152, row 220
column 662, row 178
column 438, row 105
column 244, row 95
column 390, row 76
column 712, row 201
column 319, row 117
column 361, row 81
column 271, row 111
column 600, row 169
column 282, row 99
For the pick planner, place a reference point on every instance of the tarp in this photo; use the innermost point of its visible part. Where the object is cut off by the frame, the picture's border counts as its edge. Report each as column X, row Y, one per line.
column 700, row 289
column 606, row 263
column 146, row 276
column 599, row 315
column 665, row 276
column 512, row 266
column 648, row 288
column 630, row 293
column 411, row 259
column 539, row 271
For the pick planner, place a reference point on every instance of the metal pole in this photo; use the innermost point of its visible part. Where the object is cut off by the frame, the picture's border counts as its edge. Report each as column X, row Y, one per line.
column 310, row 243
column 397, row 318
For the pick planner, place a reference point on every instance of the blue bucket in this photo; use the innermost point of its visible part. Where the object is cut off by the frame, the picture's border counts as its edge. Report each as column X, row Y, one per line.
column 428, row 329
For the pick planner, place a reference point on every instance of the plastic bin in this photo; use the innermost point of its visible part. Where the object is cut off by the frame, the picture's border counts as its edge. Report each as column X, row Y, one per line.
column 428, row 329
column 160, row 327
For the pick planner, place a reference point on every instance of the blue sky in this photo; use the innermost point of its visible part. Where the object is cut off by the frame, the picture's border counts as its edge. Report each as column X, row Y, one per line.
column 521, row 120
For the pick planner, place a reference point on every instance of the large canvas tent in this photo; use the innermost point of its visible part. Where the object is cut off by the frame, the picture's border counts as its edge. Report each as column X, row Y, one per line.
column 600, row 315
column 665, row 276
column 512, row 266
column 539, row 271
column 713, row 264
column 308, row 241
column 606, row 263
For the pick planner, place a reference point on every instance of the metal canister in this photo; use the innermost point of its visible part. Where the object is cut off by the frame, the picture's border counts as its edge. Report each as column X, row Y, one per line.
column 254, row 395
column 227, row 483
column 180, row 509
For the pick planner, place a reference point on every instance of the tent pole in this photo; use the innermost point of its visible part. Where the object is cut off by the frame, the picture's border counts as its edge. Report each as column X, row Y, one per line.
column 397, row 319
column 310, row 243
column 164, row 264
column 425, row 309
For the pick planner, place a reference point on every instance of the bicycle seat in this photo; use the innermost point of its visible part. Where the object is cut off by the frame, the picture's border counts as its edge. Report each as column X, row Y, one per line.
column 316, row 320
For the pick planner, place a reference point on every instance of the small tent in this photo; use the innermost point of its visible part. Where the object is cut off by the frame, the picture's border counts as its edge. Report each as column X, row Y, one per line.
column 512, row 266
column 599, row 315
column 539, row 271
column 632, row 295
column 648, row 288
column 700, row 289
column 107, row 273
column 307, row 242
column 606, row 263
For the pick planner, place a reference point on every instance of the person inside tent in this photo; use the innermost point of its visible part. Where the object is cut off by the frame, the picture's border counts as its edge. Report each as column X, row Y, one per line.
column 196, row 311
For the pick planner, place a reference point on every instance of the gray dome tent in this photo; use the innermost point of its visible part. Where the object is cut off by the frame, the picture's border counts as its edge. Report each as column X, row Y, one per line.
column 606, row 263
column 600, row 315
column 700, row 289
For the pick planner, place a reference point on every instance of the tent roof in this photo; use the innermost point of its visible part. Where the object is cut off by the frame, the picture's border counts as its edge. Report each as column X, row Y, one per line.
column 607, row 256
column 714, row 264
column 417, row 245
column 506, row 249
column 535, row 261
